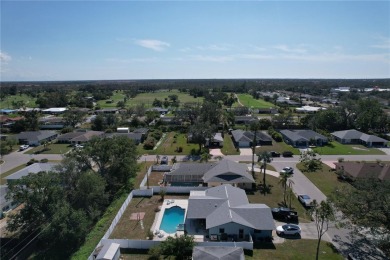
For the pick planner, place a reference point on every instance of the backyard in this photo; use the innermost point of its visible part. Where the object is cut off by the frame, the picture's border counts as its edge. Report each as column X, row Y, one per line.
column 228, row 146
column 335, row 148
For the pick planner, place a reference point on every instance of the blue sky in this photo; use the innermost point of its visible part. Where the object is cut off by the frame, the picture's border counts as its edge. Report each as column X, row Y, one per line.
column 93, row 40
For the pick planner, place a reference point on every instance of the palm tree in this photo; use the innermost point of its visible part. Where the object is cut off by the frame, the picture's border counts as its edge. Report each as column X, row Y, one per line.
column 255, row 126
column 290, row 183
column 205, row 156
column 283, row 179
column 265, row 158
column 157, row 158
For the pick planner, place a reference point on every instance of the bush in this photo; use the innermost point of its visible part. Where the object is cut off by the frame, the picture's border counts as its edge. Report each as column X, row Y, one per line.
column 156, row 134
column 32, row 161
column 149, row 143
column 44, row 160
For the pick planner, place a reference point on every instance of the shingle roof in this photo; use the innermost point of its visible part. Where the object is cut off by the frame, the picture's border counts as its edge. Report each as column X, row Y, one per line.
column 224, row 204
column 218, row 253
column 302, row 135
column 355, row 134
column 33, row 168
column 247, row 136
column 85, row 137
column 366, row 169
column 227, row 171
column 36, row 135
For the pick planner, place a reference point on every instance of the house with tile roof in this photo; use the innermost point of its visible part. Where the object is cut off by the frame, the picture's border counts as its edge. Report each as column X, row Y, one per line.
column 353, row 136
column 357, row 170
column 210, row 174
column 224, row 213
column 303, row 138
column 243, row 138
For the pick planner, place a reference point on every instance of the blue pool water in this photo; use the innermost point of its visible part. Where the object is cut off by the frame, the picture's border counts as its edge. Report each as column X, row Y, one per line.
column 172, row 217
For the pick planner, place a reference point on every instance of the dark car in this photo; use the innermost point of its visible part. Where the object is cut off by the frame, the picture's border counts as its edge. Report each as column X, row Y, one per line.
column 287, row 154
column 288, row 170
column 285, row 214
column 274, row 154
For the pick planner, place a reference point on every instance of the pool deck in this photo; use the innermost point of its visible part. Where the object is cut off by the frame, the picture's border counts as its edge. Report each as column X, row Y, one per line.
column 168, row 203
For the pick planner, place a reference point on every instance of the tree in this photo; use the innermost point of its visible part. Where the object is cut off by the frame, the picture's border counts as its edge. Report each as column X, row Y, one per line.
column 205, row 156
column 265, row 158
column 200, row 132
column 72, row 118
column 98, row 123
column 365, row 206
column 310, row 162
column 283, row 180
column 322, row 213
column 179, row 246
column 157, row 103
column 10, row 142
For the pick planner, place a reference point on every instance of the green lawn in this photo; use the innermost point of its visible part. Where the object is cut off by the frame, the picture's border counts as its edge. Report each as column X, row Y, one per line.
column 28, row 101
column 277, row 147
column 325, row 179
column 148, row 98
column 301, row 249
column 117, row 96
column 248, row 101
column 294, row 249
column 53, row 149
column 335, row 148
column 169, row 145
column 228, row 146
column 275, row 198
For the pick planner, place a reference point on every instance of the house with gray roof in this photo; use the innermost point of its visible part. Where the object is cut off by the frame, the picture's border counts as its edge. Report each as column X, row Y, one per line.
column 243, row 138
column 218, row 253
column 79, row 137
column 224, row 213
column 303, row 138
column 210, row 174
column 136, row 137
column 353, row 136
column 215, row 141
column 31, row 169
column 35, row 138
column 244, row 120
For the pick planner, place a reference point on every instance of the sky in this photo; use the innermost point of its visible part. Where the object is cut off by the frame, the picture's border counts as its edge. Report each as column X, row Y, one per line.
column 108, row 40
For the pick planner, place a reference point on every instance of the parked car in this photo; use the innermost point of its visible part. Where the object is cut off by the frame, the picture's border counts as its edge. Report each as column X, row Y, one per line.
column 79, row 146
column 287, row 154
column 274, row 154
column 305, row 200
column 288, row 170
column 23, row 147
column 164, row 160
column 285, row 214
column 288, row 229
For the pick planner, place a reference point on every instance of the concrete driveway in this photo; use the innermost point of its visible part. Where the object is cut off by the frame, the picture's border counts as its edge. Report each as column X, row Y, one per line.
column 245, row 151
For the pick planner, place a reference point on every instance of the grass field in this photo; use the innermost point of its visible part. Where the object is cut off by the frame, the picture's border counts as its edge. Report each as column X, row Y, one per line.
column 28, row 101
column 302, row 249
column 325, row 179
column 53, row 149
column 335, row 148
column 228, row 146
column 117, row 96
column 148, row 98
column 7, row 173
column 248, row 101
column 277, row 147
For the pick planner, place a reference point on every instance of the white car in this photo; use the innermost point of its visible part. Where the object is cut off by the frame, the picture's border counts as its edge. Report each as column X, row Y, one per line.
column 288, row 170
column 23, row 147
column 288, row 229
column 79, row 146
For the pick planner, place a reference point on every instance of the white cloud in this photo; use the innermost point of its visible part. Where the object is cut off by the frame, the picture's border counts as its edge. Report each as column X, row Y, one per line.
column 211, row 58
column 384, row 44
column 4, row 57
column 214, row 47
column 288, row 49
column 155, row 45
column 132, row 60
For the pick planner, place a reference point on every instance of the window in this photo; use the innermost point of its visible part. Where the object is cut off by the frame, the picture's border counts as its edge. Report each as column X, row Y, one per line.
column 221, row 230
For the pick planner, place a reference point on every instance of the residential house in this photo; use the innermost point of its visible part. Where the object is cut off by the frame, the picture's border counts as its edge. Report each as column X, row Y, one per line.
column 136, row 137
column 109, row 251
column 6, row 121
column 224, row 213
column 218, row 253
column 7, row 111
column 215, row 141
column 353, row 136
column 78, row 137
column 303, row 138
column 210, row 174
column 243, row 138
column 270, row 110
column 309, row 109
column 355, row 170
column 35, row 138
column 7, row 205
column 245, row 120
column 159, row 109
column 107, row 111
column 51, row 122
column 54, row 110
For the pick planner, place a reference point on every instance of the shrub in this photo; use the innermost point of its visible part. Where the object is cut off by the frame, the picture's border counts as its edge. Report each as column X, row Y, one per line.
column 32, row 161
column 149, row 143
column 44, row 160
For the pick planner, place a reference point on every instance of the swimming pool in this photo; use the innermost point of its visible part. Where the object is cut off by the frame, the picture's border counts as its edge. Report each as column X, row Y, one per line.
column 171, row 219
